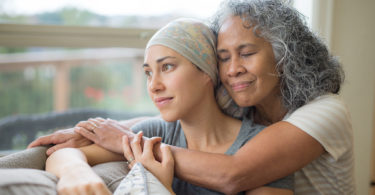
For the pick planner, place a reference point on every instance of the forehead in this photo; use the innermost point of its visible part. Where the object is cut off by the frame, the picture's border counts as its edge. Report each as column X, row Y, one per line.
column 235, row 31
column 154, row 53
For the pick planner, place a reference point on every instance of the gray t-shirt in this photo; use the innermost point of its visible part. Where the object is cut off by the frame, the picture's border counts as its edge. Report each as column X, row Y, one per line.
column 172, row 134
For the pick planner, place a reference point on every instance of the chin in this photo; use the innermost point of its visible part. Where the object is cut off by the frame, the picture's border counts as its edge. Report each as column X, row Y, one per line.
column 243, row 101
column 169, row 117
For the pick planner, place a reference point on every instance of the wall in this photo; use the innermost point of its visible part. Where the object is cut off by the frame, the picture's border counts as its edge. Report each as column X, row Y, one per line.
column 353, row 40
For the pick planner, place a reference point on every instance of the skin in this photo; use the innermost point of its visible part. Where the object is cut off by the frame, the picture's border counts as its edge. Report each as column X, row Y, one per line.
column 75, row 168
column 163, row 170
column 168, row 73
column 247, row 70
column 68, row 138
column 279, row 150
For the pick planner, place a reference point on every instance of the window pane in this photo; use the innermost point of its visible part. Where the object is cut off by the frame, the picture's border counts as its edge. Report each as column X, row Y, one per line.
column 41, row 80
column 110, row 78
column 126, row 13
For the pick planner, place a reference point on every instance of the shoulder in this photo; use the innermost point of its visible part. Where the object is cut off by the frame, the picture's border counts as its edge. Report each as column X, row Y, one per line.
column 155, row 127
column 326, row 119
column 326, row 110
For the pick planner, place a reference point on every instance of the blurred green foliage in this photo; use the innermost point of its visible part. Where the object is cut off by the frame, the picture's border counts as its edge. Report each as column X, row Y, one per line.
column 106, row 85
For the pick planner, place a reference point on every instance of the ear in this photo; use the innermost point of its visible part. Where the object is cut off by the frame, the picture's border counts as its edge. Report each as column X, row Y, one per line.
column 207, row 79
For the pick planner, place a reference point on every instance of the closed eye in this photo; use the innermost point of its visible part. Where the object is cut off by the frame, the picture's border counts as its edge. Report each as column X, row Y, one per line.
column 247, row 54
column 223, row 59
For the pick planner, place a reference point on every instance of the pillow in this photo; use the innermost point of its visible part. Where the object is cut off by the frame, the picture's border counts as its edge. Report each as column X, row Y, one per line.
column 140, row 181
column 27, row 181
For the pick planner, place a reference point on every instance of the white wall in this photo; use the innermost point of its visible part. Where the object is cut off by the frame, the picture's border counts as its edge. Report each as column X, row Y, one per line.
column 353, row 40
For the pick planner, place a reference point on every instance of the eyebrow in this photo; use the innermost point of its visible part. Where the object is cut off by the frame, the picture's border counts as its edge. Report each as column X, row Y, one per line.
column 247, row 45
column 160, row 60
column 163, row 58
column 238, row 48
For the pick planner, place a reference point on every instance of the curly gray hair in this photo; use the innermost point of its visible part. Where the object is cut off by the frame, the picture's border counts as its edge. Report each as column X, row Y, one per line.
column 305, row 67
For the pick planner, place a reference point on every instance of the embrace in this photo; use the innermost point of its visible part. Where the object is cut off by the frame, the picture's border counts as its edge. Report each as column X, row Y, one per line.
column 248, row 104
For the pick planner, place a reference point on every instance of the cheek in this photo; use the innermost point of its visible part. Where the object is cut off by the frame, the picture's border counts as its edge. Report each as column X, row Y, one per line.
column 148, row 88
column 222, row 73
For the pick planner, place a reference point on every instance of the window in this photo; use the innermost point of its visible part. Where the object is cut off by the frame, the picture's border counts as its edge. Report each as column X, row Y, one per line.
column 74, row 54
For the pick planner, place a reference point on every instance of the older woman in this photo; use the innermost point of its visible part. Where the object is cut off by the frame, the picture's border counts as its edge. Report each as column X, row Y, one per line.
column 282, row 76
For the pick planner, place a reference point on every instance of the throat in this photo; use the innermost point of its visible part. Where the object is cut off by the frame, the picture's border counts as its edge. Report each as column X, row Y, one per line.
column 215, row 137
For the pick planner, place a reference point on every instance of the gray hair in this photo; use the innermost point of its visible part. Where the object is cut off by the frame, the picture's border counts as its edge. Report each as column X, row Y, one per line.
column 305, row 67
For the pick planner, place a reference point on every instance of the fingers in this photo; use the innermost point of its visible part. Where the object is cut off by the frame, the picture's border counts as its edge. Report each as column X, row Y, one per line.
column 86, row 133
column 98, row 188
column 57, row 147
column 44, row 140
column 100, row 119
column 36, row 142
column 167, row 155
column 103, row 190
column 128, row 153
column 148, row 147
column 95, row 122
column 90, row 124
column 136, row 145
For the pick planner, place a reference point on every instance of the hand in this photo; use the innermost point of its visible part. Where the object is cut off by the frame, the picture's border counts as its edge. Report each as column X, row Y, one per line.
column 80, row 182
column 163, row 170
column 105, row 133
column 65, row 138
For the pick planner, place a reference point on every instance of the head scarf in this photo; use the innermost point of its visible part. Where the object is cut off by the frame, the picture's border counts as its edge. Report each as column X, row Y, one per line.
column 196, row 42
column 192, row 39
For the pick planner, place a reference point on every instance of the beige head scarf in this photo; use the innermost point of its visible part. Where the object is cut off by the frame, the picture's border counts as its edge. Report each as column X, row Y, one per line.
column 192, row 39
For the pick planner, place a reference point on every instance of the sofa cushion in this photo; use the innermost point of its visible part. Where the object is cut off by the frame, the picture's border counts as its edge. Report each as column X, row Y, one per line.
column 26, row 181
column 33, row 158
column 112, row 173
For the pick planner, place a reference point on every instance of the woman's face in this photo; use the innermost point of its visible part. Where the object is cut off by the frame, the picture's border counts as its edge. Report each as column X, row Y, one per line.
column 174, row 84
column 246, row 64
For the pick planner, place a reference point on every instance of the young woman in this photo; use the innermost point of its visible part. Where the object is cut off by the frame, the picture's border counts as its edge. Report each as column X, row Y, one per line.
column 181, row 68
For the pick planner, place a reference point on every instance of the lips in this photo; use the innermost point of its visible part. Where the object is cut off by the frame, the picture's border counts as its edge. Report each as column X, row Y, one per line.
column 161, row 101
column 239, row 86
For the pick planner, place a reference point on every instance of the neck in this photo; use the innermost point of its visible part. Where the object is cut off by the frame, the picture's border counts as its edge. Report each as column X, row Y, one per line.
column 207, row 129
column 270, row 111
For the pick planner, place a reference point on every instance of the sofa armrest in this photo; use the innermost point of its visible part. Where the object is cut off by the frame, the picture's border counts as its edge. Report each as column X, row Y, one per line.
column 33, row 158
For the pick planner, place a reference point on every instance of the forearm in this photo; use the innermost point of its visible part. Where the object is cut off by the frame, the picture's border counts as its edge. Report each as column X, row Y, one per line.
column 65, row 160
column 224, row 173
column 75, row 175
column 96, row 155
column 214, row 171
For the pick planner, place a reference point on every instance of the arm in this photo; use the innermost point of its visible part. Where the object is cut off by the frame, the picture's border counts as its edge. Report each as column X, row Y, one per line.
column 269, row 191
column 75, row 175
column 277, row 151
column 96, row 155
column 68, row 138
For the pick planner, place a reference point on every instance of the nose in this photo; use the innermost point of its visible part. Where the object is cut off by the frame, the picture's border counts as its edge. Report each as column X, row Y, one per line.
column 155, row 84
column 235, row 67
